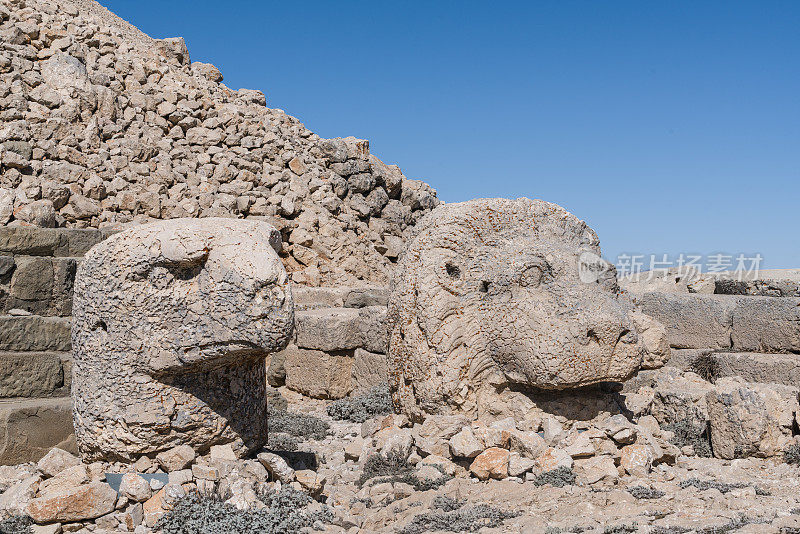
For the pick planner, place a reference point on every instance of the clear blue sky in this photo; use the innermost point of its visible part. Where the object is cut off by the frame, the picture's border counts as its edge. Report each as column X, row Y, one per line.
column 670, row 127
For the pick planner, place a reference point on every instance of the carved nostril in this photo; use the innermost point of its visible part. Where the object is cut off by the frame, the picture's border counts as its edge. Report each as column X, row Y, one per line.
column 485, row 284
column 592, row 335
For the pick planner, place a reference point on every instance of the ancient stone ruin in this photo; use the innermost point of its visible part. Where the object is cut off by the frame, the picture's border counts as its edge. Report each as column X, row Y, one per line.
column 488, row 294
column 204, row 284
column 172, row 322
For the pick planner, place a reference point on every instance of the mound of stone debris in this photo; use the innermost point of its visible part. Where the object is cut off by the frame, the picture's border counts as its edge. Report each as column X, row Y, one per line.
column 100, row 125
column 326, row 470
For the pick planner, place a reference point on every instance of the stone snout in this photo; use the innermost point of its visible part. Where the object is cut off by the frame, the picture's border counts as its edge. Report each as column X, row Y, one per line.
column 255, row 294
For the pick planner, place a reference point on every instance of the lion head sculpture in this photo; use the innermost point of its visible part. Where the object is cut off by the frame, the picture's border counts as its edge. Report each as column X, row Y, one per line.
column 495, row 292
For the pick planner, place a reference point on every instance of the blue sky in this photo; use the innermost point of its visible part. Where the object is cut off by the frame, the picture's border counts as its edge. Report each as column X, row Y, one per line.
column 670, row 127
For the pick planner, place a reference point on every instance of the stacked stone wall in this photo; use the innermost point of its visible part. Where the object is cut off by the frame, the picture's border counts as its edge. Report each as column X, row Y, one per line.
column 37, row 271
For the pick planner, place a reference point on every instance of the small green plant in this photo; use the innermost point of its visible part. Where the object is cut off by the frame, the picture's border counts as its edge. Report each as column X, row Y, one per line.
column 395, row 468
column 284, row 511
column 706, row 366
column 644, row 492
column 280, row 441
column 463, row 519
column 298, row 425
column 18, row 524
column 559, row 477
column 377, row 401
column 687, row 434
column 447, row 503
column 792, row 454
column 621, row 529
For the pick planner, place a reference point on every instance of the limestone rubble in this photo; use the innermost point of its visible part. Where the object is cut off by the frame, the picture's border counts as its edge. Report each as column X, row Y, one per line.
column 102, row 125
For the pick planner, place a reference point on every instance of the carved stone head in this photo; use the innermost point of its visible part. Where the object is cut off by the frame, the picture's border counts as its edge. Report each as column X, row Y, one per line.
column 171, row 325
column 491, row 292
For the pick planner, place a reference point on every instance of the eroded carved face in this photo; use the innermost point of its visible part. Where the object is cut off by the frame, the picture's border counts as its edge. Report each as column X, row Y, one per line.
column 190, row 294
column 492, row 287
column 172, row 322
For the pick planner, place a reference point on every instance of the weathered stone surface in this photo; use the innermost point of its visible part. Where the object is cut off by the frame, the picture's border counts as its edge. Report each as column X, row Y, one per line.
column 27, row 241
column 276, row 466
column 31, row 374
column 32, row 279
column 333, row 329
column 30, row 428
column 751, row 419
column 73, row 504
column 134, row 487
column 491, row 463
column 15, row 499
column 636, row 459
column 370, row 369
column 39, row 285
column 318, row 374
column 34, row 333
column 766, row 324
column 182, row 310
column 553, row 458
column 596, row 469
column 681, row 399
column 758, row 367
column 654, row 338
column 56, row 461
column 175, row 459
column 490, row 290
column 693, row 321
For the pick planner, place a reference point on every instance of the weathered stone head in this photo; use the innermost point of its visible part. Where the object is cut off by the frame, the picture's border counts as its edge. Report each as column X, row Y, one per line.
column 490, row 294
column 171, row 325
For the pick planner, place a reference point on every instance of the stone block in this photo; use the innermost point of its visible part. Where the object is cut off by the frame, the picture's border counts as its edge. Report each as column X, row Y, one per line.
column 309, row 298
column 758, row 367
column 693, row 321
column 31, row 374
column 33, row 278
column 21, row 240
column 370, row 369
column 766, row 324
column 34, row 333
column 681, row 398
column 318, row 374
column 328, row 329
column 332, row 329
column 29, row 241
column 365, row 297
column 374, row 329
column 749, row 419
column 30, row 428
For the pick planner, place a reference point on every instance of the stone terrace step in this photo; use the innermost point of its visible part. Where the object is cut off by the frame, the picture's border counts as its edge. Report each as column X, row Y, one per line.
column 722, row 322
column 29, row 428
column 309, row 298
column 28, row 241
column 38, row 284
column 34, row 333
column 34, row 374
column 336, row 329
column 758, row 367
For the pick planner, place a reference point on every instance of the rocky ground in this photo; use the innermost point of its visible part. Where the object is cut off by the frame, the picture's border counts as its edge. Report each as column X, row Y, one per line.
column 348, row 466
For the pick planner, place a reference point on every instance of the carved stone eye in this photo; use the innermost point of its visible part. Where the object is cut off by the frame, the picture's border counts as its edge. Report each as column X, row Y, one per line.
column 452, row 270
column 531, row 276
